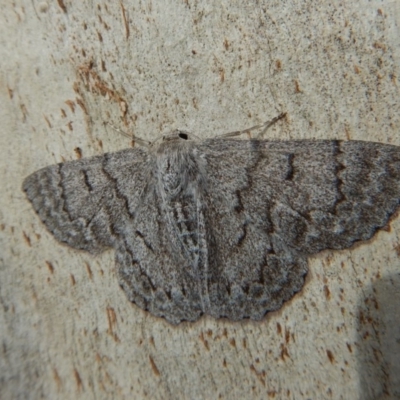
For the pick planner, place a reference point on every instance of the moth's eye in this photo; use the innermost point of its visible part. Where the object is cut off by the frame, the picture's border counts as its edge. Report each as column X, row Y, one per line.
column 163, row 138
column 183, row 136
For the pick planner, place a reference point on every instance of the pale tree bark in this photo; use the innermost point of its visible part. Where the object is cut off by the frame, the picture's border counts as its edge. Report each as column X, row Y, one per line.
column 209, row 67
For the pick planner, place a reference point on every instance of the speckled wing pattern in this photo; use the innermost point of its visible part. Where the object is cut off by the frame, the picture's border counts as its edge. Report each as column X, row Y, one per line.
column 84, row 203
column 221, row 226
column 272, row 204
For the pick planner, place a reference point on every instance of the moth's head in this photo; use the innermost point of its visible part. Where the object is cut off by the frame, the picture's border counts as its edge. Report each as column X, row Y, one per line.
column 178, row 136
column 178, row 140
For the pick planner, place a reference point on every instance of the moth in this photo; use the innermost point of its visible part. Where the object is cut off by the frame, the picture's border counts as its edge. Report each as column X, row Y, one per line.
column 220, row 226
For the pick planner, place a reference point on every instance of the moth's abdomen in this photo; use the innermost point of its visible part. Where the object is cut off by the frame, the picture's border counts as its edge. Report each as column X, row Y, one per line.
column 183, row 218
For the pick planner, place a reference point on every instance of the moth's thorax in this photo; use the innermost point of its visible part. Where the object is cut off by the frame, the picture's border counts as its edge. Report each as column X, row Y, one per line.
column 178, row 166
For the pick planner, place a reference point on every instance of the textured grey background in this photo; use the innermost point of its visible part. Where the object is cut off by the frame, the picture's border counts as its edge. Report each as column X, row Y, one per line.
column 66, row 329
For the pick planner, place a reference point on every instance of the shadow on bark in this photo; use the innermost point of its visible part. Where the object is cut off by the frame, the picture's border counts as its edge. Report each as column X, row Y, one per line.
column 378, row 349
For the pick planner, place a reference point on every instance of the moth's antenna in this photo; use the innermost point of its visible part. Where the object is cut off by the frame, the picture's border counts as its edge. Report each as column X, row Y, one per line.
column 138, row 140
column 265, row 125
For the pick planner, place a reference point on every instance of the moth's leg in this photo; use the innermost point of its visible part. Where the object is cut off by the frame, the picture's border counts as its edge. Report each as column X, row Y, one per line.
column 265, row 126
column 138, row 140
